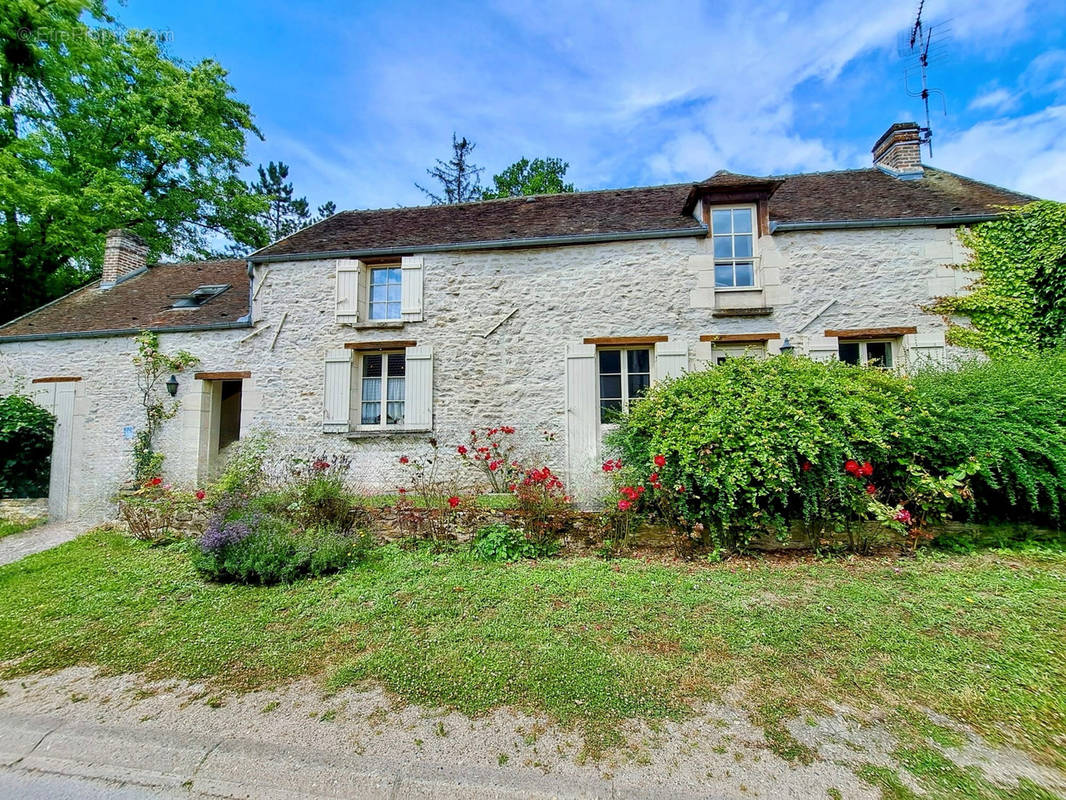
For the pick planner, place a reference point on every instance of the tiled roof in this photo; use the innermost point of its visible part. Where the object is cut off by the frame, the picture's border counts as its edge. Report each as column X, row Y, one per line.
column 870, row 194
column 614, row 211
column 141, row 302
column 860, row 195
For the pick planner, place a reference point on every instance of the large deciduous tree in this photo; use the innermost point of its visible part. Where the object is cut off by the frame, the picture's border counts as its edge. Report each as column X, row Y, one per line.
column 100, row 128
column 525, row 177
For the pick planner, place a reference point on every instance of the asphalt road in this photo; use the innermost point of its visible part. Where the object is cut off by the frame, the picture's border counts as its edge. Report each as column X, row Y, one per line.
column 23, row 785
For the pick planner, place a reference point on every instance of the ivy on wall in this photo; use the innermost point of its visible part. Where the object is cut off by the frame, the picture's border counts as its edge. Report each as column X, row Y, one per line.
column 1018, row 303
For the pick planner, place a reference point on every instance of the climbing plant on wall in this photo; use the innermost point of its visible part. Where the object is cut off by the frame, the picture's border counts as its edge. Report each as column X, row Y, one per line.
column 153, row 366
column 1018, row 303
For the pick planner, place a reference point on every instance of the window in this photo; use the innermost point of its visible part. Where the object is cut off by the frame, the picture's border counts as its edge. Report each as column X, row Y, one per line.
column 733, row 237
column 384, row 297
column 875, row 354
column 624, row 375
column 382, row 383
column 721, row 354
column 198, row 296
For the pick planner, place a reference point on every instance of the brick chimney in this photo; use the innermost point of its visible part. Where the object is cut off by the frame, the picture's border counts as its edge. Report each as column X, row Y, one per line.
column 124, row 253
column 898, row 151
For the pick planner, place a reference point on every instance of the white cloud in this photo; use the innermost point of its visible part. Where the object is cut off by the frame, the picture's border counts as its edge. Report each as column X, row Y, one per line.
column 1022, row 153
column 628, row 92
column 994, row 99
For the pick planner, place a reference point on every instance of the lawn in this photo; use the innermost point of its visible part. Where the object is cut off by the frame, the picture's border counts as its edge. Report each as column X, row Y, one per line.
column 10, row 526
column 981, row 638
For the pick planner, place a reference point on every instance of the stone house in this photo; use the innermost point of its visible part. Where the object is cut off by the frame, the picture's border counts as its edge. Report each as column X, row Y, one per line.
column 374, row 331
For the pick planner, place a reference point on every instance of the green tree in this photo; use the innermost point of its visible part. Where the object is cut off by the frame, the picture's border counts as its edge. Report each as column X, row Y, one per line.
column 460, row 179
column 100, row 128
column 525, row 177
column 1018, row 302
column 325, row 211
column 285, row 212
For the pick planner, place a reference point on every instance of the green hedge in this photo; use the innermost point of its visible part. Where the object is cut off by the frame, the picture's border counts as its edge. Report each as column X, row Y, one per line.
column 25, row 447
column 1010, row 414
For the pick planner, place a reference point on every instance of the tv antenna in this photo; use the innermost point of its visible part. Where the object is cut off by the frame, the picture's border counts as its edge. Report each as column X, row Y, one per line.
column 921, row 47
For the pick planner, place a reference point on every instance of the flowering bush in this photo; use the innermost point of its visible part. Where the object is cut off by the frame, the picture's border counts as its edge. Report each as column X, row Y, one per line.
column 267, row 549
column 318, row 494
column 493, row 453
column 752, row 446
column 438, row 497
column 543, row 507
column 152, row 511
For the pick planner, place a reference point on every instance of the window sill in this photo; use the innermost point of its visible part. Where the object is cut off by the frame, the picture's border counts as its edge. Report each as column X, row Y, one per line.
column 390, row 324
column 378, row 433
column 737, row 288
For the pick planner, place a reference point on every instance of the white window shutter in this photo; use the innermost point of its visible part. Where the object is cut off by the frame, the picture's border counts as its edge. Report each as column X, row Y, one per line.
column 348, row 274
column 582, row 414
column 923, row 349
column 671, row 359
column 418, row 399
column 338, row 390
column 821, row 348
column 411, row 291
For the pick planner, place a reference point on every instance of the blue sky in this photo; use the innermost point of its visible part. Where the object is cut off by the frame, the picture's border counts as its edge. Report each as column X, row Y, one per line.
column 359, row 98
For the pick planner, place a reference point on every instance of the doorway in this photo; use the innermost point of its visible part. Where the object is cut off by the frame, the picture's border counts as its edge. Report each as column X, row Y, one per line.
column 217, row 419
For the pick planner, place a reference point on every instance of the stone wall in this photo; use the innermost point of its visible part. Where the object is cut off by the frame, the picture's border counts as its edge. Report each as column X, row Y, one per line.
column 24, row 509
column 515, row 374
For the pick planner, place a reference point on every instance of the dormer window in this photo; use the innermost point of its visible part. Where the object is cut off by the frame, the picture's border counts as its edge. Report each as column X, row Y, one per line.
column 733, row 237
column 198, row 296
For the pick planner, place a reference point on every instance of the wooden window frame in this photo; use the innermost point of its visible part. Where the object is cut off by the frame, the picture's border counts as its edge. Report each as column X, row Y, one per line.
column 623, row 375
column 754, row 259
column 366, row 301
column 357, row 412
column 864, row 359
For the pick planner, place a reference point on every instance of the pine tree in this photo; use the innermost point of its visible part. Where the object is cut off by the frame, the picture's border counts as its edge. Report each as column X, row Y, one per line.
column 459, row 178
column 285, row 213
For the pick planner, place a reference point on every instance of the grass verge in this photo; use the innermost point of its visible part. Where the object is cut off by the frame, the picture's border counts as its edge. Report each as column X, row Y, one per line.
column 10, row 526
column 980, row 638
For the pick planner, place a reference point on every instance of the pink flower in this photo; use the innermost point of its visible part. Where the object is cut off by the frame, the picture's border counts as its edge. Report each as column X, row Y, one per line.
column 624, row 505
column 404, row 459
column 461, row 449
column 453, row 501
column 200, row 494
column 320, row 465
column 660, row 460
column 903, row 515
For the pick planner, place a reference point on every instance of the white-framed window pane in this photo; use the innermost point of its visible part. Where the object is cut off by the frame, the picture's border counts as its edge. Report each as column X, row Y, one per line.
column 379, row 311
column 723, row 246
column 611, row 362
column 392, row 293
column 879, row 354
column 394, row 275
column 742, row 246
column 638, row 384
column 610, row 411
column 379, row 293
column 638, row 360
column 395, row 405
column 611, row 387
column 741, row 220
column 848, row 352
column 743, row 274
column 722, row 221
column 723, row 275
column 392, row 311
column 384, row 293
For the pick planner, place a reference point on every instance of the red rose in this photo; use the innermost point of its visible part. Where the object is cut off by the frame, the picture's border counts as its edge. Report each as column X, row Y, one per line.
column 404, row 459
column 156, row 481
column 653, row 478
column 871, row 489
column 851, row 467
column 494, row 465
column 624, row 505
column 680, row 489
column 200, row 494
column 903, row 515
column 453, row 501
column 806, row 466
column 660, row 460
column 513, row 486
column 867, row 469
column 403, row 490
column 461, row 449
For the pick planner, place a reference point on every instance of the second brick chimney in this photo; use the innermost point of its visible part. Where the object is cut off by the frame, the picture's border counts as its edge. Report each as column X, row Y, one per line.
column 899, row 151
column 124, row 253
